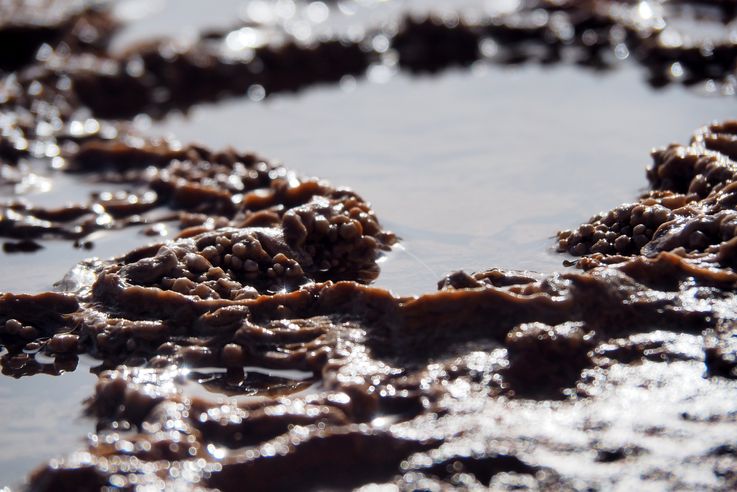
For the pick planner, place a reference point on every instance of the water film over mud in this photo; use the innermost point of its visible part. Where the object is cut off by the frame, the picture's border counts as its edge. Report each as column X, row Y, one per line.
column 254, row 341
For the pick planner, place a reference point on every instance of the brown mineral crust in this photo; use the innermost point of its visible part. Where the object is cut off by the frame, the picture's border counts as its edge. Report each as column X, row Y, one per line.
column 80, row 478
column 325, row 459
column 494, row 277
column 96, row 155
column 25, row 246
column 343, row 241
column 720, row 351
column 535, row 351
column 190, row 179
column 694, row 174
column 29, row 323
column 202, row 72
column 640, row 294
column 637, row 348
column 691, row 207
column 703, row 167
column 541, row 359
column 624, row 230
column 71, row 25
column 527, row 35
column 431, row 45
column 483, row 469
column 661, row 56
column 669, row 272
column 396, row 327
column 51, row 91
column 206, row 188
column 543, row 30
column 296, row 426
column 366, row 335
column 137, row 301
column 44, row 312
column 246, row 331
column 659, row 45
column 431, row 322
column 718, row 137
column 256, row 425
column 441, row 390
column 23, row 221
column 18, row 365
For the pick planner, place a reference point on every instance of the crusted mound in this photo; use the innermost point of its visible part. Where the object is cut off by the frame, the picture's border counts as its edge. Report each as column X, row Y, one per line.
column 691, row 209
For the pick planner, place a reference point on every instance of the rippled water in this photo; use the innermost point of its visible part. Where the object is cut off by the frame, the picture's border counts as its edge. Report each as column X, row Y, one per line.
column 473, row 169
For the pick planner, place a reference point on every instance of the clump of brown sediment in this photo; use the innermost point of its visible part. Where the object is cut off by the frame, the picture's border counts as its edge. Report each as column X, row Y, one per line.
column 77, row 25
column 690, row 210
column 499, row 379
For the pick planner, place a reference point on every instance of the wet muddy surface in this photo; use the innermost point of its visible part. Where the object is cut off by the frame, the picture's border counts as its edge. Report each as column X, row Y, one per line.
column 271, row 335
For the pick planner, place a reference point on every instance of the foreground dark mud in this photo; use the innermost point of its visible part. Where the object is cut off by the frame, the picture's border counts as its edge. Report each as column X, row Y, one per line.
column 621, row 371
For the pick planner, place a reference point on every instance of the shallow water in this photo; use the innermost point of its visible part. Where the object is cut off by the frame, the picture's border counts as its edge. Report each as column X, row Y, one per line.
column 473, row 169
column 41, row 419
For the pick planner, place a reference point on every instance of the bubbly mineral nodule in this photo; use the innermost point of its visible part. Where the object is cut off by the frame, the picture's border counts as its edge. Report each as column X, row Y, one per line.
column 622, row 372
column 690, row 210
